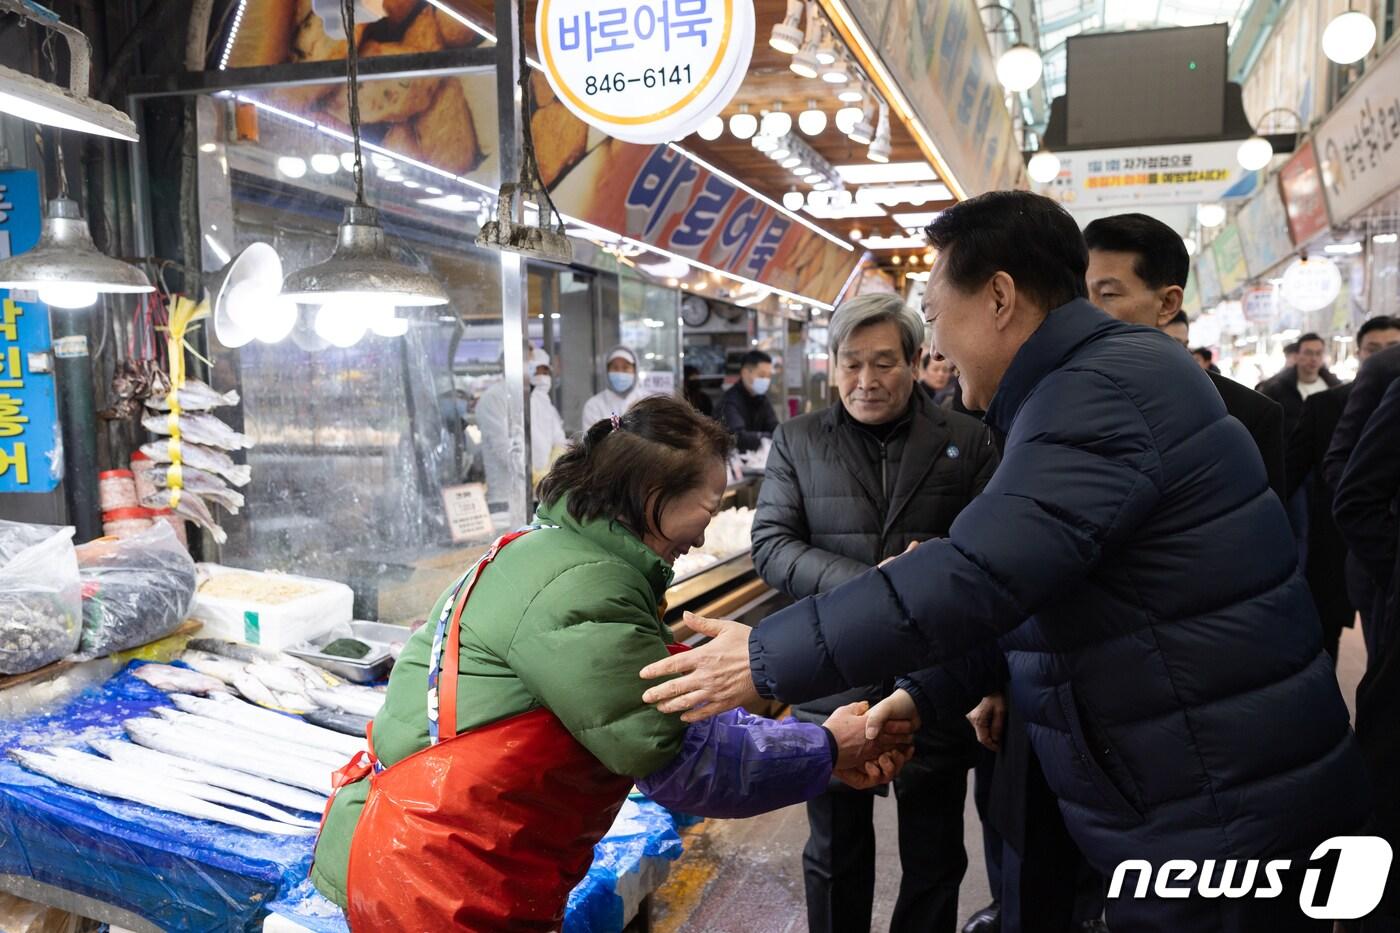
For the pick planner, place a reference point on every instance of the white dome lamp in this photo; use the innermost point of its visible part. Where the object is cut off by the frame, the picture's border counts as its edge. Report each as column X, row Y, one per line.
column 775, row 122
column 743, row 124
column 786, row 36
column 1018, row 68
column 1349, row 37
column 1257, row 151
column 838, row 72
column 711, row 129
column 853, row 91
column 1043, row 167
column 805, row 63
column 1210, row 215
column 827, row 53
column 847, row 118
column 812, row 121
column 1254, row 153
column 793, row 199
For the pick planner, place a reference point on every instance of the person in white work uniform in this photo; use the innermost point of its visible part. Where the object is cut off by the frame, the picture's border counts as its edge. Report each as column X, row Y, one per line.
column 547, row 438
column 623, row 390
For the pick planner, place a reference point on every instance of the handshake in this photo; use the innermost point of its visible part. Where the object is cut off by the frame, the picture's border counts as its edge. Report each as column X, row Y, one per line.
column 873, row 743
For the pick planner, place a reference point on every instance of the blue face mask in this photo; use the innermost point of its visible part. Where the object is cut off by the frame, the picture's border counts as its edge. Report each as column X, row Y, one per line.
column 760, row 385
column 621, row 383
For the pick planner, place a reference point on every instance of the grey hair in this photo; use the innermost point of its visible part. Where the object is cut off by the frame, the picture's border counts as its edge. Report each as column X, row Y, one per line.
column 875, row 309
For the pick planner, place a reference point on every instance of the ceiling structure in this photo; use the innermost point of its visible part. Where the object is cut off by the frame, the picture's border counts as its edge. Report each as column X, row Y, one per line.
column 771, row 83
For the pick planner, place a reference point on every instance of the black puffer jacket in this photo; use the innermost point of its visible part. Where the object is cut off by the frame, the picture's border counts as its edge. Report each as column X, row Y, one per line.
column 836, row 500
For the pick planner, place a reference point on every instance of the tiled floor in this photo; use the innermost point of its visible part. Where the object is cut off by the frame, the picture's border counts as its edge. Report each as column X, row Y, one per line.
column 745, row 876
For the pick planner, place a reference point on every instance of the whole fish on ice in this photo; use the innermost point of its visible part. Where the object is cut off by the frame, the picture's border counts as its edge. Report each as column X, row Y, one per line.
column 98, row 776
column 361, row 701
column 185, row 742
column 265, row 744
column 172, row 679
column 138, row 756
column 191, row 786
column 272, row 724
column 334, row 720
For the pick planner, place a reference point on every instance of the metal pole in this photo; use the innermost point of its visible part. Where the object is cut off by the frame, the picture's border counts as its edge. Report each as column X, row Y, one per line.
column 514, row 295
column 77, row 419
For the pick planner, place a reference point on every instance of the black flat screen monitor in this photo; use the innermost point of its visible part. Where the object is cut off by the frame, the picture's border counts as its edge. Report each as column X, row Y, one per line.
column 1134, row 88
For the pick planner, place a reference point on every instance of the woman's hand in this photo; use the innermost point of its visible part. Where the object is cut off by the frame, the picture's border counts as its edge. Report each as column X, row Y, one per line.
column 908, row 550
column 715, row 677
column 897, row 707
column 865, row 760
column 989, row 718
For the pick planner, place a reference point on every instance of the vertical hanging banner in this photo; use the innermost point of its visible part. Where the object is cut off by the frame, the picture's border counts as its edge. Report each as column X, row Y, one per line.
column 645, row 71
column 30, row 453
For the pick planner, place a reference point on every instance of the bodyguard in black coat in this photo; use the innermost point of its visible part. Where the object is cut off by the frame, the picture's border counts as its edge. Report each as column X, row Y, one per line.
column 1366, row 512
column 839, row 497
column 1132, row 564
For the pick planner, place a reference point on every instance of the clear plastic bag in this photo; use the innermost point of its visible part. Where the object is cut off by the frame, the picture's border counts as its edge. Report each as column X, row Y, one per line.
column 135, row 590
column 40, row 596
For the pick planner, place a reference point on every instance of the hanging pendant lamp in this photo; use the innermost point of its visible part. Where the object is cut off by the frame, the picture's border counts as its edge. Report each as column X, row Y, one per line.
column 361, row 277
column 66, row 268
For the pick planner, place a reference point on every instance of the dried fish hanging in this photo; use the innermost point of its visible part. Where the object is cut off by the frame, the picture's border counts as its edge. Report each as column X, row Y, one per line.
column 142, row 374
column 195, row 433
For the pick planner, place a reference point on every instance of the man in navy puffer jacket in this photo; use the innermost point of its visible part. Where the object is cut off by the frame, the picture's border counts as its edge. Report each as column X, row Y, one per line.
column 1133, row 565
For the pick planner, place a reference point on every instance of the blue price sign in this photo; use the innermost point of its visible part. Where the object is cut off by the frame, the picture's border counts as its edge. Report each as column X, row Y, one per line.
column 30, row 452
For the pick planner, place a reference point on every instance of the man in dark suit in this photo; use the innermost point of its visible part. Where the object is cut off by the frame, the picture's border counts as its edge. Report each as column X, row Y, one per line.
column 1366, row 448
column 1337, row 591
column 1137, row 272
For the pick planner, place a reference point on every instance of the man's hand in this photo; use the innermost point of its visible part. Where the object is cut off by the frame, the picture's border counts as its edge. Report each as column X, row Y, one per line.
column 989, row 718
column 715, row 676
column 868, row 762
column 898, row 706
column 908, row 550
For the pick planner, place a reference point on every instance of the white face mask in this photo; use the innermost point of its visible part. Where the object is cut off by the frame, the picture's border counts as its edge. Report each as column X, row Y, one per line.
column 542, row 383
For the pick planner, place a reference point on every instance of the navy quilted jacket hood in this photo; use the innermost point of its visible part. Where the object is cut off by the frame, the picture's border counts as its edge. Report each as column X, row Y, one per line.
column 1131, row 562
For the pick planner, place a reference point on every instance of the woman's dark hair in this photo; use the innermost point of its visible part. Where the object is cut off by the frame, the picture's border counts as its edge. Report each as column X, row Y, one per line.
column 1029, row 237
column 659, row 451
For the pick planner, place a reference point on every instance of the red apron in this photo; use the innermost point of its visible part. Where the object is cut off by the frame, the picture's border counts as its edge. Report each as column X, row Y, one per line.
column 486, row 830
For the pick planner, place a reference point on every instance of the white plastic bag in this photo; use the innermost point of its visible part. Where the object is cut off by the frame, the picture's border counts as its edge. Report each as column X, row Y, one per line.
column 41, row 601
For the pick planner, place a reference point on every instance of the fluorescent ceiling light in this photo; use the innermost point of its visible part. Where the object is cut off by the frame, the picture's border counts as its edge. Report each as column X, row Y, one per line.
column 38, row 101
column 886, row 172
column 894, row 242
column 452, row 203
column 851, row 211
column 916, row 220
column 1342, row 249
column 1385, row 238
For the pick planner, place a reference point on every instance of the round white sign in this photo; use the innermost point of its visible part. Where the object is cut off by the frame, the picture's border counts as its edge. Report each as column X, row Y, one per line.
column 1312, row 284
column 645, row 71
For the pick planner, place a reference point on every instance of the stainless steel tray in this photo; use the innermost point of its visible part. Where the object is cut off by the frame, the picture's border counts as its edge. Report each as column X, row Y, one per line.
column 373, row 667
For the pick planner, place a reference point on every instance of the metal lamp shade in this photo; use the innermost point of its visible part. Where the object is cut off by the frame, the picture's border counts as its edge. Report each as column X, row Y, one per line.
column 363, row 267
column 66, row 255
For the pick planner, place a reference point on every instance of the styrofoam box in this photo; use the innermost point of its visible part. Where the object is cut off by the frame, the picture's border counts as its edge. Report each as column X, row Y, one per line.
column 273, row 627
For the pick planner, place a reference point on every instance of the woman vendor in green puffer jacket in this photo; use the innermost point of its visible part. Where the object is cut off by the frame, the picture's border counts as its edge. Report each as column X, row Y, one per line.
column 514, row 725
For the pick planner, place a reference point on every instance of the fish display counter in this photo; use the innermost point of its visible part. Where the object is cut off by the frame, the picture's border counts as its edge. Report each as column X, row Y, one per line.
column 84, row 828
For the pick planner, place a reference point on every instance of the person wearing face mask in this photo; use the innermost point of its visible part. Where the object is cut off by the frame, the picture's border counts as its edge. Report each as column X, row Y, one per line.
column 746, row 410
column 623, row 388
column 547, row 437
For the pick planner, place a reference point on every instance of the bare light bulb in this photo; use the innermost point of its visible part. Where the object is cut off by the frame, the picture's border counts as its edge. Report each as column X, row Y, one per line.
column 69, row 295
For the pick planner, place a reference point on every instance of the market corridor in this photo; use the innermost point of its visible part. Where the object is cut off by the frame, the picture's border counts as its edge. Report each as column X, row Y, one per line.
column 745, row 876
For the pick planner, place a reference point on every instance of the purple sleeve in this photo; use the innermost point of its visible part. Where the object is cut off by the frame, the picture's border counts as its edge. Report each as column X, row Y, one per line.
column 736, row 765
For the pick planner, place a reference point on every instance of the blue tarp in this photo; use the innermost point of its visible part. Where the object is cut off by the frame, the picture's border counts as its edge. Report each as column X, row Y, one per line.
column 190, row 876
